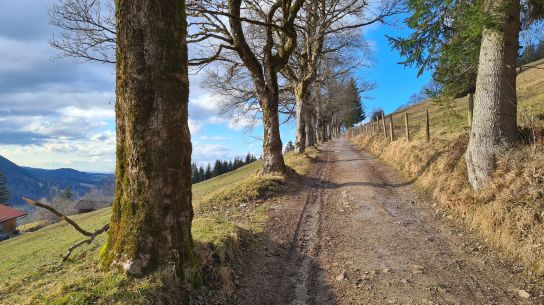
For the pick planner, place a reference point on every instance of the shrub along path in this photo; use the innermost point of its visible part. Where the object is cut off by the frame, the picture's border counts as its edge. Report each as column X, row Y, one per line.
column 359, row 234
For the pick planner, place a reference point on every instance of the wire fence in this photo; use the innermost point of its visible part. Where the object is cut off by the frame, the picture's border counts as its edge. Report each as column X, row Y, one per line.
column 409, row 124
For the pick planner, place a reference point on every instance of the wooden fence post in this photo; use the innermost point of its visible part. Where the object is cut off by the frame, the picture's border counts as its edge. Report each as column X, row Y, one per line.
column 407, row 126
column 384, row 129
column 470, row 109
column 391, row 131
column 427, row 131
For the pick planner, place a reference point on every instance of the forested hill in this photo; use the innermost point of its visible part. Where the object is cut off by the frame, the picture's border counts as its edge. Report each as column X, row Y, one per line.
column 37, row 183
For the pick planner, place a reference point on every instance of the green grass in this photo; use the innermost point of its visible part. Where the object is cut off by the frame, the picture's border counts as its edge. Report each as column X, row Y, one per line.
column 227, row 209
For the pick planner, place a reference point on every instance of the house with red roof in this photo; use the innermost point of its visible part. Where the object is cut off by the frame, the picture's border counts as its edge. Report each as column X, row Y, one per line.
column 8, row 219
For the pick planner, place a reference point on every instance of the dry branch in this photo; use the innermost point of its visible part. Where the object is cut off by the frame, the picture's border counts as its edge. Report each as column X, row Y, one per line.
column 91, row 235
column 85, row 241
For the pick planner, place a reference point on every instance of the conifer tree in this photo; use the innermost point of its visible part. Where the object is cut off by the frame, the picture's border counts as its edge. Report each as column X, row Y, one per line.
column 4, row 190
column 208, row 173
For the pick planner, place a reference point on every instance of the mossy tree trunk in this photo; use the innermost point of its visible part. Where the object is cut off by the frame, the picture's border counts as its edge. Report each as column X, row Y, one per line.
column 152, row 211
column 273, row 161
column 494, row 128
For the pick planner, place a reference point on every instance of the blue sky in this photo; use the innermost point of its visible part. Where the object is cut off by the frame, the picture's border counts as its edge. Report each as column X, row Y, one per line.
column 395, row 83
column 59, row 113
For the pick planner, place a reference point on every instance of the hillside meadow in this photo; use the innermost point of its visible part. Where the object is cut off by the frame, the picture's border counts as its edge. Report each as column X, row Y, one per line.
column 229, row 210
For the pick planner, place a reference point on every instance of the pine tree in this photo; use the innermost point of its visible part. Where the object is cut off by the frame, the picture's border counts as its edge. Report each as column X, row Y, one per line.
column 356, row 112
column 4, row 190
column 208, row 173
column 217, row 168
column 68, row 193
column 446, row 39
column 195, row 178
column 289, row 147
column 201, row 173
column 248, row 158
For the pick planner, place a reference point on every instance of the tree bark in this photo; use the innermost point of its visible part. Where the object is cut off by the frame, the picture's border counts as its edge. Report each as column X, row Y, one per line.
column 264, row 72
column 272, row 146
column 310, row 129
column 494, row 128
column 152, row 210
column 300, row 144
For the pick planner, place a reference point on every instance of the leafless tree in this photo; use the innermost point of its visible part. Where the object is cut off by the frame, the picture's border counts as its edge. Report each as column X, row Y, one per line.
column 253, row 41
column 87, row 29
column 258, row 36
column 328, row 27
column 330, row 98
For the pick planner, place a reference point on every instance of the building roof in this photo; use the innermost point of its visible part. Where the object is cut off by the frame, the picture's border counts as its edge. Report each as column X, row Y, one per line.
column 91, row 205
column 7, row 213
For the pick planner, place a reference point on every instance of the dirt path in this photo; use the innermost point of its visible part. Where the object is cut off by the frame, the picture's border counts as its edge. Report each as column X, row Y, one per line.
column 356, row 234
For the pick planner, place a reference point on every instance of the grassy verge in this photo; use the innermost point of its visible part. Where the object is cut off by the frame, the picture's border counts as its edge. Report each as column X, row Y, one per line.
column 229, row 209
column 508, row 213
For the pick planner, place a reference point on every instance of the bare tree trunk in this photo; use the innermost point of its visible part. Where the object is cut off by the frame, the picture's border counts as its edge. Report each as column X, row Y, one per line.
column 310, row 129
column 272, row 146
column 319, row 123
column 300, row 144
column 152, row 211
column 494, row 128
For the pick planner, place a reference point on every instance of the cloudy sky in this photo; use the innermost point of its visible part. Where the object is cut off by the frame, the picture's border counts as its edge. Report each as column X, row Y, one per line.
column 59, row 113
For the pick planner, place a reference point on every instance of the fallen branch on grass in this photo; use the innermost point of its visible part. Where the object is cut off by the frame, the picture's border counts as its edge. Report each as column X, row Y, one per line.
column 85, row 241
column 91, row 235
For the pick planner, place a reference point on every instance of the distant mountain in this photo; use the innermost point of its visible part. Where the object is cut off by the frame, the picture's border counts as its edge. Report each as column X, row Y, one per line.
column 38, row 183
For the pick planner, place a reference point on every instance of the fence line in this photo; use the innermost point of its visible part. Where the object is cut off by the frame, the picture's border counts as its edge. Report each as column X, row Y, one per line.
column 378, row 125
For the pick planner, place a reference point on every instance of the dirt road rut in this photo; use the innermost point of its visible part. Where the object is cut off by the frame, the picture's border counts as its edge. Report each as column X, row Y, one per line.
column 358, row 234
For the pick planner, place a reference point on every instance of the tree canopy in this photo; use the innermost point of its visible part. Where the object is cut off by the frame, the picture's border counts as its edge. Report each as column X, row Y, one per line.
column 446, row 40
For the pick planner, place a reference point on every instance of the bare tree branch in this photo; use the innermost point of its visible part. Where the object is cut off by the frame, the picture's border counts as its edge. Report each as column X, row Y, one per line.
column 91, row 235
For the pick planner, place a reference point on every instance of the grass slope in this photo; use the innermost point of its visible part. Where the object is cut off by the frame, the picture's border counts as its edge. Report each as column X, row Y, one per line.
column 449, row 121
column 228, row 209
column 508, row 213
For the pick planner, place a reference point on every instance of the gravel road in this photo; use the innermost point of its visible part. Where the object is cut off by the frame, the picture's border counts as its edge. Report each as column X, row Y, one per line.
column 356, row 233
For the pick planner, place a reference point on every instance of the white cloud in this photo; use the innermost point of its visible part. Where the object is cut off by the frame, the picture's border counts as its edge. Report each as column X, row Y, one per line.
column 194, row 126
column 95, row 153
column 241, row 123
column 212, row 138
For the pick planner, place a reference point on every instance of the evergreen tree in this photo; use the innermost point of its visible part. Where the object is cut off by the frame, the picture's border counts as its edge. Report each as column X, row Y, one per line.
column 4, row 190
column 195, row 175
column 446, row 39
column 356, row 113
column 208, row 173
column 217, row 168
column 248, row 158
column 289, row 147
column 201, row 173
column 68, row 193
